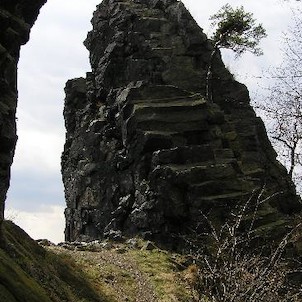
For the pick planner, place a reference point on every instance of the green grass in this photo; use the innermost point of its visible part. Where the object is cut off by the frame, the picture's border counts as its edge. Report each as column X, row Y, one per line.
column 17, row 284
column 167, row 281
column 108, row 274
column 29, row 273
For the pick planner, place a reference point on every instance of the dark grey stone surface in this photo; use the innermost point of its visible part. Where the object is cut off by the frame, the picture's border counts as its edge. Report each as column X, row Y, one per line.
column 145, row 152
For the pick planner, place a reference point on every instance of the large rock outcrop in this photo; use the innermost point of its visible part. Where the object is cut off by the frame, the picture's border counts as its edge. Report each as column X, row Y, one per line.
column 16, row 19
column 145, row 151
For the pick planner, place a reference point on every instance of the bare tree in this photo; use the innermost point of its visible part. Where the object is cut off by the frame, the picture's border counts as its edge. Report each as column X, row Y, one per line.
column 234, row 269
column 283, row 105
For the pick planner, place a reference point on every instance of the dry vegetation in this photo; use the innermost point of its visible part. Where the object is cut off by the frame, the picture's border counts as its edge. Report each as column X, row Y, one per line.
column 223, row 270
column 237, row 268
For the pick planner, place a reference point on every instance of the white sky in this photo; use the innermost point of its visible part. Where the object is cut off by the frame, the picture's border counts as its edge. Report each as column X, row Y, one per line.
column 54, row 54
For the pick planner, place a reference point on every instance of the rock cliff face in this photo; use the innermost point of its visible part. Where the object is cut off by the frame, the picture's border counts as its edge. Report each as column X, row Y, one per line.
column 16, row 19
column 145, row 151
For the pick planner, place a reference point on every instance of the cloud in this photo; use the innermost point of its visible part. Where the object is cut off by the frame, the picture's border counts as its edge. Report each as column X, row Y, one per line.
column 31, row 191
column 38, row 151
column 47, row 222
column 54, row 54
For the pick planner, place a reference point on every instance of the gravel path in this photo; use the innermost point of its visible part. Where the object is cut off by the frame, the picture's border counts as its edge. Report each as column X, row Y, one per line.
column 144, row 291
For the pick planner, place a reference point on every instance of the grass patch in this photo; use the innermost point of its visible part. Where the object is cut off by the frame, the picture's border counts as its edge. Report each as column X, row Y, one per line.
column 166, row 279
column 29, row 273
column 17, row 284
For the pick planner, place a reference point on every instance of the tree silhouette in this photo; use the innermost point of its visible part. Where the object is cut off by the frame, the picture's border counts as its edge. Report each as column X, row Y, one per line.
column 282, row 106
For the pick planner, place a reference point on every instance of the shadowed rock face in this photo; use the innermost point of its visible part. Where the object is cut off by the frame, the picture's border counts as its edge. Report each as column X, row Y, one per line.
column 16, row 20
column 145, row 152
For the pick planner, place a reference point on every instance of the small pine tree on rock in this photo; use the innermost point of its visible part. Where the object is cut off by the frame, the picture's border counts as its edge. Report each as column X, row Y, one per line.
column 236, row 30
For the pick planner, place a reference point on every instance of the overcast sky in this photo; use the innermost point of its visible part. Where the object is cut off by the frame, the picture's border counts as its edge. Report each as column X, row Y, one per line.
column 54, row 54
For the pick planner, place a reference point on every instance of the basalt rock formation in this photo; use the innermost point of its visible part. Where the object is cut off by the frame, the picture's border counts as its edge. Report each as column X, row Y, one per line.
column 145, row 152
column 16, row 19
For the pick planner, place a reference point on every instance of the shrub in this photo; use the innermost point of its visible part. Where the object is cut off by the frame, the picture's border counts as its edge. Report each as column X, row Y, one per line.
column 233, row 268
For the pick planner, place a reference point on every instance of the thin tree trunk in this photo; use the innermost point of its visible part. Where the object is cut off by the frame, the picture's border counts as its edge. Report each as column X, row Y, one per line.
column 209, row 78
column 292, row 160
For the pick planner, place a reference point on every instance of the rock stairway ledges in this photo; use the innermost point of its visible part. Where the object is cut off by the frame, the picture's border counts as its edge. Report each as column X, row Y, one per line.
column 178, row 101
column 221, row 186
column 195, row 173
column 157, row 92
column 188, row 115
column 158, row 124
column 183, row 155
column 170, row 114
column 207, row 203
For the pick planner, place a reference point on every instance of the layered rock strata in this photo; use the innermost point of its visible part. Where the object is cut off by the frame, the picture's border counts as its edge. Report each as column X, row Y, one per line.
column 145, row 152
column 16, row 19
